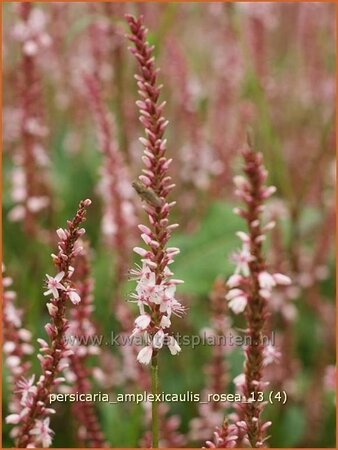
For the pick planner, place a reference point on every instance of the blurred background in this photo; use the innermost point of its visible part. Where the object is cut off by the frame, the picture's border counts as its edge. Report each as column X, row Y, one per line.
column 224, row 67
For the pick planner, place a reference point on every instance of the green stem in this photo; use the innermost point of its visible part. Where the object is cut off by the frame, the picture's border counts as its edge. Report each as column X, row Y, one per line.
column 154, row 405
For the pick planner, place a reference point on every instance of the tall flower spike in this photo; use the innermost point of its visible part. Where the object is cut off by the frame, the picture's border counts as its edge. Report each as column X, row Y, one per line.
column 250, row 289
column 155, row 291
column 33, row 420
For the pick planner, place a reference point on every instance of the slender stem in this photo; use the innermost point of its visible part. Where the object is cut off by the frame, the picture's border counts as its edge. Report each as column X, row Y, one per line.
column 154, row 405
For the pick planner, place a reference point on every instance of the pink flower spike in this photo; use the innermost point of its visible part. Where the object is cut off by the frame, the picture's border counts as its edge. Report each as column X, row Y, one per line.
column 53, row 357
column 257, row 284
column 53, row 284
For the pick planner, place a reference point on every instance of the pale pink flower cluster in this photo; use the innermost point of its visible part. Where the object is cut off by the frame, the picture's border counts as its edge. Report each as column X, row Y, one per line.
column 150, row 294
column 239, row 282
